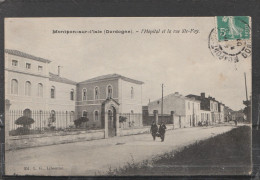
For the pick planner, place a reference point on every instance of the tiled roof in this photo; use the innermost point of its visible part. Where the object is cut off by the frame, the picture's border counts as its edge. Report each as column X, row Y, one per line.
column 112, row 76
column 25, row 55
column 56, row 78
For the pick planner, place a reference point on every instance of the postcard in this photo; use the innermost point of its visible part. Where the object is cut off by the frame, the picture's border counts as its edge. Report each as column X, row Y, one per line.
column 117, row 96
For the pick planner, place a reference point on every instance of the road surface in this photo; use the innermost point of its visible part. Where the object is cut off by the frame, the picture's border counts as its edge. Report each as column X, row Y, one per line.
column 97, row 156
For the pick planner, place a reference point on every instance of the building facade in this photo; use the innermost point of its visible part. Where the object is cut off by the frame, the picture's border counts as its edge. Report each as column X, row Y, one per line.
column 30, row 85
column 212, row 111
column 104, row 100
column 125, row 92
column 186, row 110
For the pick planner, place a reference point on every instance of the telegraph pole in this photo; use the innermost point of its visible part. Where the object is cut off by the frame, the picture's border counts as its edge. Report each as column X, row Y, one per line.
column 162, row 103
column 246, row 87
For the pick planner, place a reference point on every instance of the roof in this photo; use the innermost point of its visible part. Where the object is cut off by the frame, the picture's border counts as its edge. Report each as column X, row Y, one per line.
column 112, row 76
column 25, row 55
column 177, row 96
column 56, row 78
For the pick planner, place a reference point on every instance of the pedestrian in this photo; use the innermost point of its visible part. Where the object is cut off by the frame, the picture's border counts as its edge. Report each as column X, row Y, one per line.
column 154, row 130
column 162, row 130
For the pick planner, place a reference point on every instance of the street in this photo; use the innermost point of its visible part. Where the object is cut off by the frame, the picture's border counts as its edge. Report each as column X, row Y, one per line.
column 97, row 156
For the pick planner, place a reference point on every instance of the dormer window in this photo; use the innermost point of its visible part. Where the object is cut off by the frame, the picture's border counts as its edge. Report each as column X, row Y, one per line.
column 28, row 66
column 14, row 63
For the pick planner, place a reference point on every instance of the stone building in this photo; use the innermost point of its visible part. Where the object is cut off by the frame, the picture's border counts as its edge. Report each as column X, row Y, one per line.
column 186, row 110
column 124, row 94
column 32, row 90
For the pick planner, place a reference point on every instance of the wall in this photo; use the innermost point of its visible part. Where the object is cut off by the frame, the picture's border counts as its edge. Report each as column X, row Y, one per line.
column 21, row 74
column 192, row 110
column 26, row 141
column 171, row 102
column 91, row 105
column 128, row 104
column 62, row 101
column 102, row 91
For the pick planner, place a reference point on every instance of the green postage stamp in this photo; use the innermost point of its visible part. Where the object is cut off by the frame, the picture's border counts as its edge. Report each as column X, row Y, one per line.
column 233, row 27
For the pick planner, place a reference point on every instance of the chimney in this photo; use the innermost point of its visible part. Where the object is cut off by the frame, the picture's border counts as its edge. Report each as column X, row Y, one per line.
column 202, row 95
column 59, row 70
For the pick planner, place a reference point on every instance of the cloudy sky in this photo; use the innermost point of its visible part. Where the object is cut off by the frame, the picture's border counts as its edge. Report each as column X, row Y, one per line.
column 182, row 61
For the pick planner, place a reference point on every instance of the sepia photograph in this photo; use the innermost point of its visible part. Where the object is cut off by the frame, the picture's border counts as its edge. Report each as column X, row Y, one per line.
column 126, row 96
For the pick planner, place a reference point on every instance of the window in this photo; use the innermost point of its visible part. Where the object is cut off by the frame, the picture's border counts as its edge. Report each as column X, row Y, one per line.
column 198, row 106
column 188, row 105
column 40, row 90
column 132, row 93
column 14, row 63
column 28, row 66
column 84, row 94
column 72, row 94
column 96, row 116
column 40, row 68
column 84, row 114
column 14, row 86
column 52, row 92
column 96, row 93
column 27, row 88
column 27, row 113
column 109, row 91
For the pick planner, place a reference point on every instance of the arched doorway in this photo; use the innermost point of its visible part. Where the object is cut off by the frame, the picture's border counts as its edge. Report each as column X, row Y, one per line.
column 110, row 117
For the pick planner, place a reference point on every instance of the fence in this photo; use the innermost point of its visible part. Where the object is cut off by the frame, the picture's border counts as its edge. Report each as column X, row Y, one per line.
column 130, row 120
column 24, row 122
column 42, row 121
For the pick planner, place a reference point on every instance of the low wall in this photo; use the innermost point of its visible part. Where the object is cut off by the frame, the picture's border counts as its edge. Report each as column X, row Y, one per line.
column 26, row 141
column 36, row 140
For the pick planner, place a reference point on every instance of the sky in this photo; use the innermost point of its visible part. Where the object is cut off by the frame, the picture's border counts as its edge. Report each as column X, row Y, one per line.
column 181, row 61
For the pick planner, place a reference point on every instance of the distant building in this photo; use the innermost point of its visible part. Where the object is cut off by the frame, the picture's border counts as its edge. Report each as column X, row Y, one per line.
column 211, row 110
column 186, row 110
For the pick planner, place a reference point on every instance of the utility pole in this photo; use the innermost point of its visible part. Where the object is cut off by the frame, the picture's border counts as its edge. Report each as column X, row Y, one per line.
column 246, row 87
column 162, row 103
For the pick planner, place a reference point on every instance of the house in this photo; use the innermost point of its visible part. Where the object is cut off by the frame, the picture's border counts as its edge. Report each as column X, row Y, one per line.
column 186, row 110
column 211, row 110
column 124, row 94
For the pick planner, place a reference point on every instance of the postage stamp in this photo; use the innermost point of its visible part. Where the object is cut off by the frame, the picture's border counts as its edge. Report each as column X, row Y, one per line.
column 231, row 50
column 233, row 27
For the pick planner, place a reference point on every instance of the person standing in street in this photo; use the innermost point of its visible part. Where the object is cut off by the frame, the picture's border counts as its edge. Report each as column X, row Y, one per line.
column 154, row 130
column 162, row 130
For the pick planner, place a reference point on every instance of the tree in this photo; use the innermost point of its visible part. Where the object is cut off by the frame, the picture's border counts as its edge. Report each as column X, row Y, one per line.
column 24, row 121
column 80, row 120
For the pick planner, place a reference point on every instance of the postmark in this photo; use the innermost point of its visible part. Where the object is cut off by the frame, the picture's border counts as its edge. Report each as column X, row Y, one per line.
column 233, row 51
column 232, row 27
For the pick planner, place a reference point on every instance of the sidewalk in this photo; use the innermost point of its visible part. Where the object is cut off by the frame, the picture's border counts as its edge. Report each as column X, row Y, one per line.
column 96, row 157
